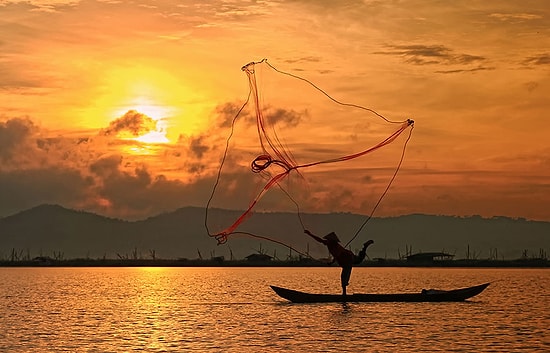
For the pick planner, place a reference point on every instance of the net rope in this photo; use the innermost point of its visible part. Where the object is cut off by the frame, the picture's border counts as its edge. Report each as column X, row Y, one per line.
column 273, row 153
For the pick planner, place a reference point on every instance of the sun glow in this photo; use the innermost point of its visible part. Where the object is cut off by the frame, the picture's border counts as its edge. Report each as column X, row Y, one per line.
column 148, row 90
column 156, row 112
column 153, row 137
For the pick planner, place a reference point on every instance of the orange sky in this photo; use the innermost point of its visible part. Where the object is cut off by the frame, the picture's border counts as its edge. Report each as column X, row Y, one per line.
column 118, row 108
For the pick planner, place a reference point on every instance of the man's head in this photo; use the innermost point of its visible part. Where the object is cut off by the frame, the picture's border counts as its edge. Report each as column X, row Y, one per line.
column 332, row 237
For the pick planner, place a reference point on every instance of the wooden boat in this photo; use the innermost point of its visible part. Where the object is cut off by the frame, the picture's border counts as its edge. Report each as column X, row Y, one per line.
column 431, row 295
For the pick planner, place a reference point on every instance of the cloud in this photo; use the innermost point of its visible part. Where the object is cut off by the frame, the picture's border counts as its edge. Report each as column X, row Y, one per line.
column 106, row 187
column 51, row 5
column 297, row 64
column 236, row 11
column 197, row 146
column 515, row 17
column 13, row 133
column 431, row 54
column 303, row 59
column 105, row 166
column 91, row 171
column 226, row 113
column 199, row 151
column 541, row 59
column 479, row 68
column 290, row 118
column 133, row 122
column 134, row 194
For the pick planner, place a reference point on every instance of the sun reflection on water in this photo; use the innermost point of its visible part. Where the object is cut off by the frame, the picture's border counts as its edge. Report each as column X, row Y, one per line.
column 233, row 310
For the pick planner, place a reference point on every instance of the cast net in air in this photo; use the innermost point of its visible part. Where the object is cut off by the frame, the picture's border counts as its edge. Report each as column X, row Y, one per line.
column 294, row 151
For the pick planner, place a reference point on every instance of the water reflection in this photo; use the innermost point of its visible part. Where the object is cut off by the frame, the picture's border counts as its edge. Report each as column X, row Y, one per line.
column 233, row 310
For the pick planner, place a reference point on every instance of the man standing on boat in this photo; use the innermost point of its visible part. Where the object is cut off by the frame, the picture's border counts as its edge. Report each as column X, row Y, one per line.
column 344, row 257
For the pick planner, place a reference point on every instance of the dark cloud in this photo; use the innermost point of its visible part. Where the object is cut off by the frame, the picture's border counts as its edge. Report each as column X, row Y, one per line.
column 541, row 59
column 107, row 187
column 197, row 151
column 367, row 179
column 195, row 168
column 138, row 193
column 480, row 68
column 419, row 54
column 133, row 122
column 14, row 133
column 197, row 146
column 105, row 166
column 466, row 59
column 431, row 54
column 290, row 118
column 226, row 113
column 304, row 59
column 89, row 171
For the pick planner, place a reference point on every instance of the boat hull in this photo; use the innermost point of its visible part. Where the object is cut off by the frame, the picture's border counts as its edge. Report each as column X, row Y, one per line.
column 455, row 295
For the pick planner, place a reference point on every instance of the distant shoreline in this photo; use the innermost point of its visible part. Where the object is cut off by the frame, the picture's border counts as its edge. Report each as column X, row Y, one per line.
column 51, row 231
column 46, row 262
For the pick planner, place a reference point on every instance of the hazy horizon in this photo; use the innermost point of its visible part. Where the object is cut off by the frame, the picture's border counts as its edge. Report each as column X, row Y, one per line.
column 53, row 229
column 240, row 210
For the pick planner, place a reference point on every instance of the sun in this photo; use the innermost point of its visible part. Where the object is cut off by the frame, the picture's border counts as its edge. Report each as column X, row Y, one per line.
column 159, row 114
column 163, row 94
column 165, row 97
column 153, row 137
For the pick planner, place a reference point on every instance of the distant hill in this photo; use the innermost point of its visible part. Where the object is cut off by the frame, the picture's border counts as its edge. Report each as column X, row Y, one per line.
column 49, row 230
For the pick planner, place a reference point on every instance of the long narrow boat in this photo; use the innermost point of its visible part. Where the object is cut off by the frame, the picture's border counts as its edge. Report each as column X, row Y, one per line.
column 455, row 295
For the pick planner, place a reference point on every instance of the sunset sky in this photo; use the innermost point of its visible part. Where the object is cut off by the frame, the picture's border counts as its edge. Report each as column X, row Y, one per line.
column 122, row 107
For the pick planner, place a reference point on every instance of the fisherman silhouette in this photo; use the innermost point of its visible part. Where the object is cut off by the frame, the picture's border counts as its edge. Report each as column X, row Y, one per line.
column 344, row 257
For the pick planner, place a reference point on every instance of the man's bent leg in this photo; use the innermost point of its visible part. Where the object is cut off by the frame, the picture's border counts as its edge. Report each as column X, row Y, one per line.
column 361, row 256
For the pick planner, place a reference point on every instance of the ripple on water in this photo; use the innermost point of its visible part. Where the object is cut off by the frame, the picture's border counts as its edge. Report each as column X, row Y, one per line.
column 233, row 310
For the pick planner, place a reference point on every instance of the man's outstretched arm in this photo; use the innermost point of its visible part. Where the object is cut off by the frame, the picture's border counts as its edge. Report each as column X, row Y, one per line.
column 320, row 240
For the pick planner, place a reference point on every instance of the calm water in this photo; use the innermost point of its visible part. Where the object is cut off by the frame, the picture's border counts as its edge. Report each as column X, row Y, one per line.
column 234, row 310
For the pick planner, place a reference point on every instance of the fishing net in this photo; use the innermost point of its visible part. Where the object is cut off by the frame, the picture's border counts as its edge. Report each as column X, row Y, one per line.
column 292, row 151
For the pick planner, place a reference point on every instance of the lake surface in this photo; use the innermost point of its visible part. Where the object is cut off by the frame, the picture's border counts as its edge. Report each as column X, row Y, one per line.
column 234, row 310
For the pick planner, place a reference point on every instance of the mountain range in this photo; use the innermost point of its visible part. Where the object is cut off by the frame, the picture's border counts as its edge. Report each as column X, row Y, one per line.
column 55, row 231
